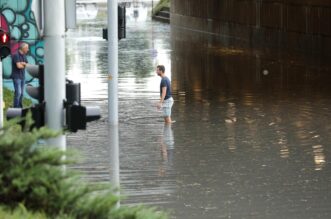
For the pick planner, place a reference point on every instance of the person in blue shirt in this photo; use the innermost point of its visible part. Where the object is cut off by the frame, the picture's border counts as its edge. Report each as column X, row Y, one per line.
column 19, row 62
column 166, row 100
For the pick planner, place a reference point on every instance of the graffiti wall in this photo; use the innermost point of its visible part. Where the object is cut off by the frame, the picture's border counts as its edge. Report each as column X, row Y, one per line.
column 18, row 18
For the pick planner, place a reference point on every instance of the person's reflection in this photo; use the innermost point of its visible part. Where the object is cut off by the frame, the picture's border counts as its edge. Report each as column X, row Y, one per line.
column 167, row 145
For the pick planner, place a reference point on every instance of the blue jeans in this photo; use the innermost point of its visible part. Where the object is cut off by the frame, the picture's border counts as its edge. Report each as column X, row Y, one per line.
column 19, row 91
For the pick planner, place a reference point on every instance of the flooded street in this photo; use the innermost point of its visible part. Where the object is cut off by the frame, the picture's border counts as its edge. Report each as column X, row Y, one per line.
column 252, row 132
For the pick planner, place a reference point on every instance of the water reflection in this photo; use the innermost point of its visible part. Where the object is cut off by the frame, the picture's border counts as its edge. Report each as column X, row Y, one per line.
column 319, row 157
column 252, row 135
column 145, row 47
column 167, row 146
column 275, row 87
column 138, row 12
column 268, row 118
column 86, row 11
column 230, row 127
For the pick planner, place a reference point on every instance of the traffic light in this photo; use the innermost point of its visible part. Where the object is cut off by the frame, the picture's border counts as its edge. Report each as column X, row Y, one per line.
column 121, row 24
column 105, row 33
column 4, row 43
column 38, row 114
column 72, row 92
column 77, row 115
column 37, row 111
column 36, row 71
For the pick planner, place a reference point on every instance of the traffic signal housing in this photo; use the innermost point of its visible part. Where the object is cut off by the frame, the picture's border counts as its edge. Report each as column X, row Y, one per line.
column 4, row 43
column 38, row 114
column 36, row 71
column 72, row 93
column 121, row 22
column 77, row 115
column 121, row 18
column 37, row 111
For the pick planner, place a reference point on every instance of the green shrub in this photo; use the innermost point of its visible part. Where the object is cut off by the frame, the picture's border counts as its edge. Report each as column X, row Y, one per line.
column 20, row 213
column 160, row 5
column 33, row 176
column 8, row 97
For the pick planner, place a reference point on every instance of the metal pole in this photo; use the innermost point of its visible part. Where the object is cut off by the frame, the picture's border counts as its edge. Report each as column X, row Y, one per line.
column 55, row 68
column 114, row 159
column 1, row 96
column 112, row 62
column 113, row 91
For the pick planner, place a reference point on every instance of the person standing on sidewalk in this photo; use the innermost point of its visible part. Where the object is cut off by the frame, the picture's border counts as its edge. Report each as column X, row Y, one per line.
column 166, row 100
column 19, row 62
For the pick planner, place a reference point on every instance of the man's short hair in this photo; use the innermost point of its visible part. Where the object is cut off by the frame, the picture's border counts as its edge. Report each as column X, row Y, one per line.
column 161, row 68
column 22, row 45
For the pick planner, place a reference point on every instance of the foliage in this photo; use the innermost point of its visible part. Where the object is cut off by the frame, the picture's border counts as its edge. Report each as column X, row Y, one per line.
column 33, row 176
column 20, row 213
column 8, row 97
column 160, row 5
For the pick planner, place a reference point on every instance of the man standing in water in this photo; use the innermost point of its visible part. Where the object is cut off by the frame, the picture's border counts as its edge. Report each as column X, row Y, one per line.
column 19, row 62
column 166, row 100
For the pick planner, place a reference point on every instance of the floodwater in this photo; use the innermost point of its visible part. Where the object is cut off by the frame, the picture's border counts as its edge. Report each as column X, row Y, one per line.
column 252, row 132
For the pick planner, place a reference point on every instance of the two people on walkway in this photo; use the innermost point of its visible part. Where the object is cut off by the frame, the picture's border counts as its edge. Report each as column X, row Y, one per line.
column 19, row 62
column 166, row 100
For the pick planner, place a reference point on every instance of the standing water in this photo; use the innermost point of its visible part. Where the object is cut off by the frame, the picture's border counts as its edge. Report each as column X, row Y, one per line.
column 252, row 137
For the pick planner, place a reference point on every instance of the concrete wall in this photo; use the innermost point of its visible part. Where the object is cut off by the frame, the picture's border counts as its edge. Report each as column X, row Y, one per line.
column 300, row 25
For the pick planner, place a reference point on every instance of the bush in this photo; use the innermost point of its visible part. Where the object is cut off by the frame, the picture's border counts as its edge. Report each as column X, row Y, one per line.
column 8, row 97
column 33, row 176
column 20, row 213
column 160, row 5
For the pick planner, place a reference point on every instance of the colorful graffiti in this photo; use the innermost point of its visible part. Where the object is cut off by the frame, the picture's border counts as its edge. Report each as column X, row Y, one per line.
column 18, row 18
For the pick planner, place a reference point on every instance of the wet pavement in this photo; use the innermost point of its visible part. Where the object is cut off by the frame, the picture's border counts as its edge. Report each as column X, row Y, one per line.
column 252, row 137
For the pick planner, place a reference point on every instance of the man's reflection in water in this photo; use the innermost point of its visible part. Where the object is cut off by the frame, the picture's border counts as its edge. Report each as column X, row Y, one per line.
column 167, row 145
